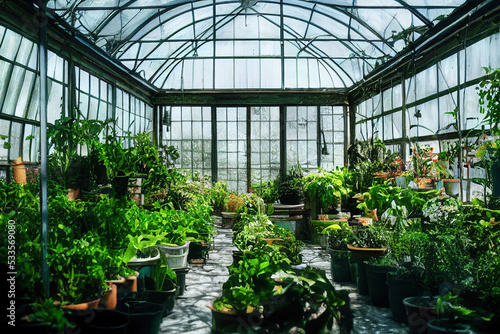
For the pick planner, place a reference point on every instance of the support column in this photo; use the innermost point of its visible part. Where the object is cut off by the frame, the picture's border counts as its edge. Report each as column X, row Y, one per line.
column 214, row 144
column 282, row 140
column 42, row 54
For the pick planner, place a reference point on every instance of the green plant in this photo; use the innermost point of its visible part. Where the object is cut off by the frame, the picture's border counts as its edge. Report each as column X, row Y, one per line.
column 329, row 188
column 252, row 227
column 219, row 195
column 76, row 275
column 339, row 236
column 451, row 306
column 266, row 190
column 421, row 160
column 371, row 236
column 367, row 158
column 66, row 137
column 234, row 203
column 118, row 160
column 489, row 97
column 443, row 212
column 290, row 246
column 162, row 273
column 397, row 219
column 50, row 314
column 250, row 281
column 379, row 197
column 290, row 186
column 141, row 246
column 145, row 154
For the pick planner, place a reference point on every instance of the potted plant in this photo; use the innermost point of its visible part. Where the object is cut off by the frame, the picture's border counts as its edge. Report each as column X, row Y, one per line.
column 377, row 269
column 44, row 316
column 420, row 310
column 263, row 294
column 290, row 186
column 219, row 196
column 454, row 316
column 234, row 202
column 119, row 163
column 372, row 163
column 422, row 167
column 404, row 281
column 67, row 134
column 161, row 286
column 77, row 280
column 369, row 241
column 328, row 188
column 339, row 236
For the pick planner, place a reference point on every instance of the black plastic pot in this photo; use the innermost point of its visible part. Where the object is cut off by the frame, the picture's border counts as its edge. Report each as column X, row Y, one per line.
column 292, row 198
column 340, row 265
column 120, row 185
column 419, row 311
column 399, row 289
column 443, row 326
column 181, row 279
column 376, row 277
column 163, row 298
column 144, row 317
column 97, row 320
column 358, row 257
column 197, row 251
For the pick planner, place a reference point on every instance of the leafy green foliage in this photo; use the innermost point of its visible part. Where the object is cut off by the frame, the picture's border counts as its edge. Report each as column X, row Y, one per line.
column 66, row 136
column 329, row 188
column 371, row 236
column 381, row 196
column 161, row 273
column 367, row 158
column 266, row 190
column 489, row 97
column 290, row 186
column 219, row 196
column 339, row 238
column 51, row 315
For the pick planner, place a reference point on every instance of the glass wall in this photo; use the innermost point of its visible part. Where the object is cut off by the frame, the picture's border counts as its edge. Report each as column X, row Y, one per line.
column 189, row 129
column 19, row 98
column 248, row 143
column 431, row 97
column 265, row 143
column 439, row 100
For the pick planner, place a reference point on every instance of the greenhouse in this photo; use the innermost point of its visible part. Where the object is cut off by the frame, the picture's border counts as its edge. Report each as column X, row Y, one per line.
column 246, row 166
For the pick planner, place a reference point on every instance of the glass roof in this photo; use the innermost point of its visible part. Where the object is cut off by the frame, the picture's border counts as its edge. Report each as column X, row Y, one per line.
column 250, row 44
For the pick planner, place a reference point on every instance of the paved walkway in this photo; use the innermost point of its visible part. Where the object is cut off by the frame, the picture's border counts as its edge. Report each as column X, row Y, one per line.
column 204, row 285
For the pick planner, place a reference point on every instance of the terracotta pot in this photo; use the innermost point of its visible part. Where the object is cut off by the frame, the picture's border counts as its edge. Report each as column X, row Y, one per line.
column 271, row 241
column 73, row 194
column 19, row 170
column 111, row 298
column 132, row 282
column 424, row 183
column 82, row 306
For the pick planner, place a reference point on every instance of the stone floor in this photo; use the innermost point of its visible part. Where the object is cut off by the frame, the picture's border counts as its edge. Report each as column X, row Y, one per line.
column 204, row 284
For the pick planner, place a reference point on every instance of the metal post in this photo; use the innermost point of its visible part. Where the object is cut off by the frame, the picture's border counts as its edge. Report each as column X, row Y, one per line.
column 249, row 149
column 214, row 143
column 43, row 142
column 283, row 140
column 403, row 120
